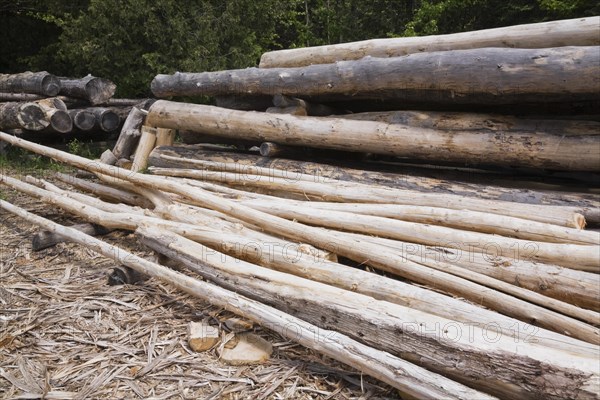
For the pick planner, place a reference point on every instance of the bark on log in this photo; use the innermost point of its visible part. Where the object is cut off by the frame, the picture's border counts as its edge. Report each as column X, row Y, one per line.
column 130, row 134
column 145, row 146
column 45, row 239
column 83, row 120
column 481, row 76
column 470, row 184
column 410, row 379
column 327, row 189
column 577, row 153
column 30, row 116
column 92, row 89
column 190, row 137
column 572, row 32
column 40, row 83
column 502, row 124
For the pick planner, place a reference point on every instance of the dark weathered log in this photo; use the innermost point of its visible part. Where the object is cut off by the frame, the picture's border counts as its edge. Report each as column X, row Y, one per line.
column 180, row 156
column 572, row 32
column 502, row 124
column 572, row 153
column 41, row 83
column 121, row 111
column 270, row 149
column 83, row 119
column 313, row 109
column 56, row 113
column 130, row 134
column 92, row 89
column 106, row 119
column 30, row 116
column 108, row 157
column 245, row 103
column 481, row 76
column 44, row 239
column 123, row 275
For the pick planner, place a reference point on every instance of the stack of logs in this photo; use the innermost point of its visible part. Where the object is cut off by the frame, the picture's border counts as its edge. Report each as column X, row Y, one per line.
column 39, row 104
column 332, row 227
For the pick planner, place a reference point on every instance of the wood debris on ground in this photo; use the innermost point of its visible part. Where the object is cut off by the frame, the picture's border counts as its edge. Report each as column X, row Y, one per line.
column 423, row 218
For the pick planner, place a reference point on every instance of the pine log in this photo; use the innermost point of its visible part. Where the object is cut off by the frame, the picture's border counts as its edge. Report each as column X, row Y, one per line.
column 106, row 119
column 480, row 76
column 410, row 379
column 56, row 112
column 502, row 124
column 116, row 217
column 571, row 286
column 576, row 153
column 416, row 341
column 572, row 32
column 104, row 192
column 145, row 146
column 182, row 156
column 40, row 83
column 30, row 116
column 44, row 239
column 458, row 219
column 572, row 283
column 130, row 134
column 92, row 89
column 83, row 119
column 379, row 256
column 339, row 191
column 209, row 264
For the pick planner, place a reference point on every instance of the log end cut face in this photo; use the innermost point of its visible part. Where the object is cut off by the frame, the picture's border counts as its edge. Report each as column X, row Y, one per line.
column 50, row 85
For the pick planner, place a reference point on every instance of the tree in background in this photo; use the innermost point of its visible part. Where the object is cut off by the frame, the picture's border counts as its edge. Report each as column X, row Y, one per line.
column 130, row 41
column 449, row 16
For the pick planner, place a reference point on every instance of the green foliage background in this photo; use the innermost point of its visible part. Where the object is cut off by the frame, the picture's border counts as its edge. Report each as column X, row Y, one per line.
column 130, row 41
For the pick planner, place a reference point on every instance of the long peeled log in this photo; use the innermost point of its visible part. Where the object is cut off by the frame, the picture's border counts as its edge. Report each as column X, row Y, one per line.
column 130, row 134
column 242, row 276
column 378, row 256
column 577, row 153
column 409, row 378
column 330, row 190
column 480, row 76
column 570, row 32
column 471, row 185
column 92, row 89
column 41, row 83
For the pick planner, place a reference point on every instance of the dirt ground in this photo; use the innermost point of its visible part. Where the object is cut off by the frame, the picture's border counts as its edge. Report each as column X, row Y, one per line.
column 66, row 334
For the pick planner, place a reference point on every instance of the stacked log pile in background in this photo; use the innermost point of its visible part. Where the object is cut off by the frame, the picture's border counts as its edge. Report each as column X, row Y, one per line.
column 39, row 104
column 437, row 248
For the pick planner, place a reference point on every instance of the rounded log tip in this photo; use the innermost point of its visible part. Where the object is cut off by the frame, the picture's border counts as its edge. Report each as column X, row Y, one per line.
column 61, row 122
column 32, row 117
column 84, row 120
column 109, row 121
column 50, row 85
column 99, row 90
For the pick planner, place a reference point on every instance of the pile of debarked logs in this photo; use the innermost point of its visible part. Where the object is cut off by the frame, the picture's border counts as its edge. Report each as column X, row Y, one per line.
column 39, row 104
